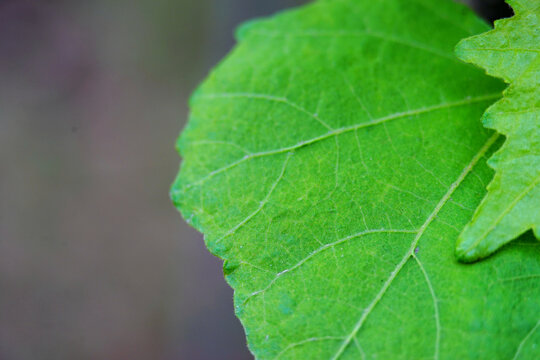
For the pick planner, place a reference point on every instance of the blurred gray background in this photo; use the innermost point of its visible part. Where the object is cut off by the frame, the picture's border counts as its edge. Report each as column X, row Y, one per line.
column 95, row 263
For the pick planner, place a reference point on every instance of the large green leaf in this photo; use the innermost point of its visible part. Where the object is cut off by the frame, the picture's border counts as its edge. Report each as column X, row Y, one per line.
column 332, row 160
column 512, row 205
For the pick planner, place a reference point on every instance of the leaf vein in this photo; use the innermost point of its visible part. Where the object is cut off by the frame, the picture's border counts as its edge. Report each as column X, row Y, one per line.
column 509, row 208
column 322, row 249
column 262, row 203
column 522, row 343
column 414, row 243
column 359, row 33
column 272, row 98
column 337, row 132
column 435, row 307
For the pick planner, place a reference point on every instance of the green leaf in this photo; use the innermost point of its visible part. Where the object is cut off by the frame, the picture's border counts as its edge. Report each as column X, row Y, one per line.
column 512, row 205
column 331, row 160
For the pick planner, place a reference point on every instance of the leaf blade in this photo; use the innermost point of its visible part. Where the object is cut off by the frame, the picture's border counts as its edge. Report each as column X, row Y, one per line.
column 310, row 239
column 511, row 207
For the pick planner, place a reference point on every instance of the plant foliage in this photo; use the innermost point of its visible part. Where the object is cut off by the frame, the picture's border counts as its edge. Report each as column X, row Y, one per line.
column 331, row 160
column 512, row 205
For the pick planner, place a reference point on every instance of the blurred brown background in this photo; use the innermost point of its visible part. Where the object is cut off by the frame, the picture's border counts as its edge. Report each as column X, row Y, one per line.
column 95, row 263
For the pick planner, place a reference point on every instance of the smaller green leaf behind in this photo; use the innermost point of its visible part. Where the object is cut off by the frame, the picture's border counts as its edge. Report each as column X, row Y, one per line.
column 512, row 205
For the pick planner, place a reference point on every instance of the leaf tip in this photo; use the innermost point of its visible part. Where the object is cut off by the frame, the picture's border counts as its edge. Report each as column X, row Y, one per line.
column 468, row 248
column 466, row 255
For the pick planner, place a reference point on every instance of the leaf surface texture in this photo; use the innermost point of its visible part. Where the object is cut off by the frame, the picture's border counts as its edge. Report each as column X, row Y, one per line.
column 512, row 205
column 331, row 160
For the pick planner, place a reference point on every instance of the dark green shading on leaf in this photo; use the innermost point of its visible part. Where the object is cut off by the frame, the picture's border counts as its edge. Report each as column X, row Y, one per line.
column 332, row 160
column 512, row 205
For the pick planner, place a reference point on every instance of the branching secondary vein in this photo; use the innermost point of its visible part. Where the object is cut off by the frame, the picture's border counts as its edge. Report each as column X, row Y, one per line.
column 324, row 248
column 336, row 132
column 435, row 307
column 414, row 243
column 262, row 203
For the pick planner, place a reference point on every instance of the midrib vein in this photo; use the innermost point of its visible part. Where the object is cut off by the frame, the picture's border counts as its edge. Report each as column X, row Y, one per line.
column 414, row 243
column 332, row 133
